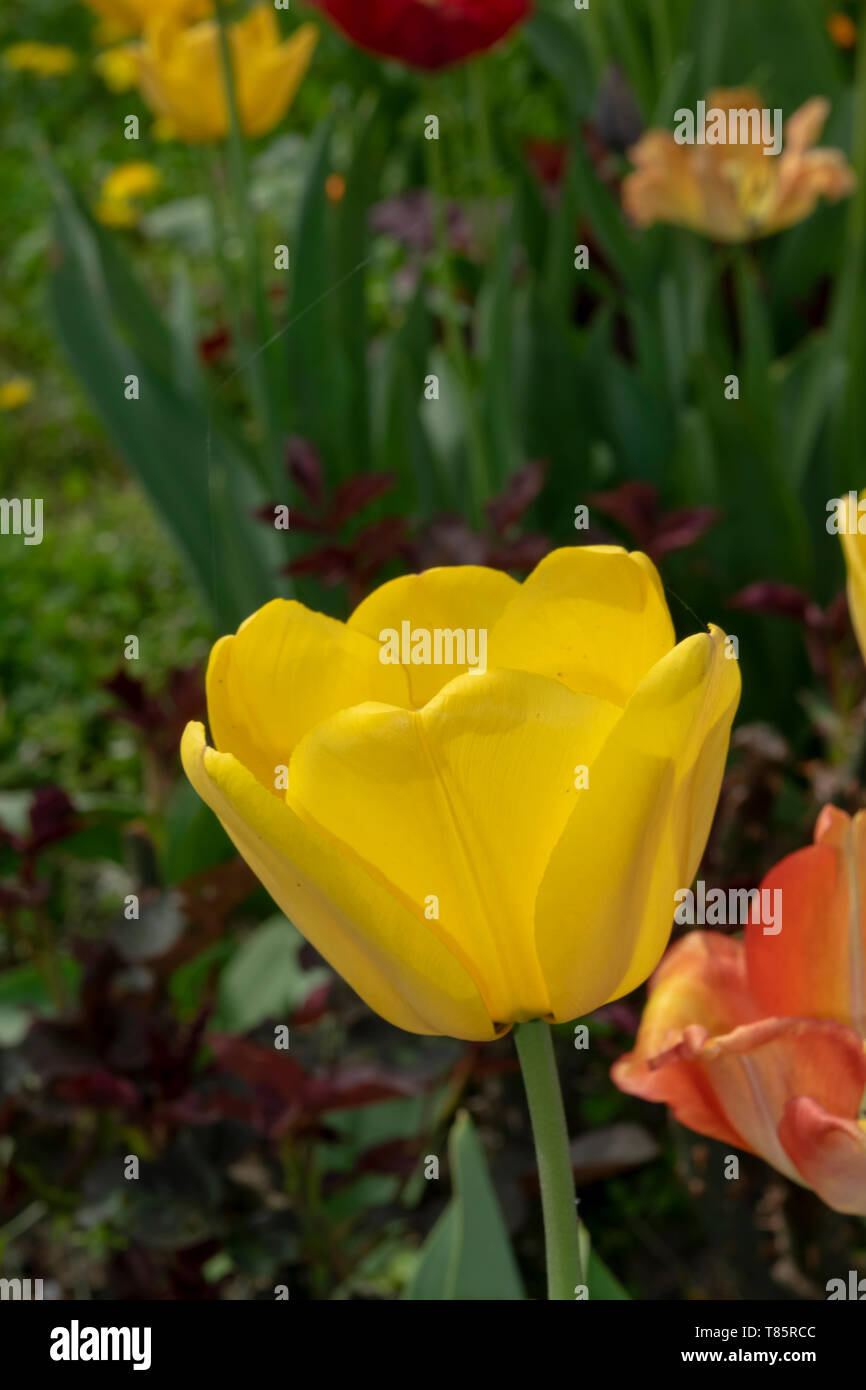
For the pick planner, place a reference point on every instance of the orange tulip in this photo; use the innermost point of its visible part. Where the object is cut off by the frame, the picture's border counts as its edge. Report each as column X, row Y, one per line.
column 760, row 1043
column 736, row 192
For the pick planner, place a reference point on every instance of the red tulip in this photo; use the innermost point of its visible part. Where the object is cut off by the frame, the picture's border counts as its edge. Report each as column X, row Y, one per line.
column 426, row 33
column 760, row 1043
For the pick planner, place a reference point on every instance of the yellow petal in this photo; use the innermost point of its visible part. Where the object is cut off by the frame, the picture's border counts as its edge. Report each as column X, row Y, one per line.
column 458, row 597
column 459, row 803
column 285, row 670
column 854, row 550
column 606, row 904
column 271, row 72
column 386, row 951
column 593, row 617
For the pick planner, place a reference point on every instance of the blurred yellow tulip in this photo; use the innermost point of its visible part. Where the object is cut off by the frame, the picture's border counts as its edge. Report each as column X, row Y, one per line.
column 472, row 848
column 736, row 192
column 181, row 75
column 131, row 16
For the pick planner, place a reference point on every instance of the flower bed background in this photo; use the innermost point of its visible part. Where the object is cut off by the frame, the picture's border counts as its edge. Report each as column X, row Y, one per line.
column 311, row 387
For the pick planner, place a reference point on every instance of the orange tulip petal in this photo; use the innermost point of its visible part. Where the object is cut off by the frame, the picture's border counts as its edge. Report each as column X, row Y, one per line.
column 735, row 1085
column 702, row 979
column 816, row 966
column 829, row 1151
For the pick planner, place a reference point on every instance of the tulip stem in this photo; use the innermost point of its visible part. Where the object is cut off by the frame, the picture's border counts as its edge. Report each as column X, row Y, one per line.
column 555, row 1172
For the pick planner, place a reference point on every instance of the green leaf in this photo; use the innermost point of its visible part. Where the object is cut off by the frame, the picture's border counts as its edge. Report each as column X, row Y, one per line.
column 196, row 478
column 603, row 1284
column 467, row 1255
column 351, row 256
column 599, row 1280
column 264, row 978
column 402, row 443
column 557, row 48
column 311, row 331
column 24, row 992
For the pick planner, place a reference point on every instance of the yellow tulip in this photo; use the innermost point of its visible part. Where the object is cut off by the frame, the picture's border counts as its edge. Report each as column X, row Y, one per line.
column 472, row 850
column 736, row 192
column 181, row 75
column 131, row 16
column 854, row 550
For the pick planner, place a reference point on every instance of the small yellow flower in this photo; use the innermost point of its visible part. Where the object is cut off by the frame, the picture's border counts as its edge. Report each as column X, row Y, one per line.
column 15, row 392
column 43, row 59
column 116, row 205
column 131, row 16
column 116, row 212
column 118, row 68
column 181, row 78
column 842, row 30
column 134, row 179
column 735, row 192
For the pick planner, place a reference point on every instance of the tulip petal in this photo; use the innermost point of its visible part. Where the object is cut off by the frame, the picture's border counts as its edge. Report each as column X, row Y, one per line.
column 829, row 1151
column 704, row 1050
column 463, row 800
column 593, row 617
column 270, row 79
column 854, row 550
column 606, row 904
column 450, row 598
column 701, row 985
column 285, row 670
column 381, row 945
column 816, row 966
column 427, row 35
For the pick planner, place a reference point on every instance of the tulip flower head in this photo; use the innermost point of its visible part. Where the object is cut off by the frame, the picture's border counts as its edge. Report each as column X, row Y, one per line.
column 761, row 1043
column 472, row 849
column 181, row 74
column 736, row 192
column 426, row 33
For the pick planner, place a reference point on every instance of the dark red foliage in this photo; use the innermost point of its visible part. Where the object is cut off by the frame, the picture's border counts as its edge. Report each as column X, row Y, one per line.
column 635, row 506
column 281, row 1095
column 162, row 716
column 825, row 629
column 51, row 817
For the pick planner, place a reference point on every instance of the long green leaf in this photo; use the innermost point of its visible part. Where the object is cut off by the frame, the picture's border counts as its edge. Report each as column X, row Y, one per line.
column 467, row 1255
column 195, row 477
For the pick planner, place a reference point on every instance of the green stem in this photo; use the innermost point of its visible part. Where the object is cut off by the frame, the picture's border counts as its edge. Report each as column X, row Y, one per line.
column 483, row 130
column 538, row 1064
column 479, row 472
column 255, row 362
